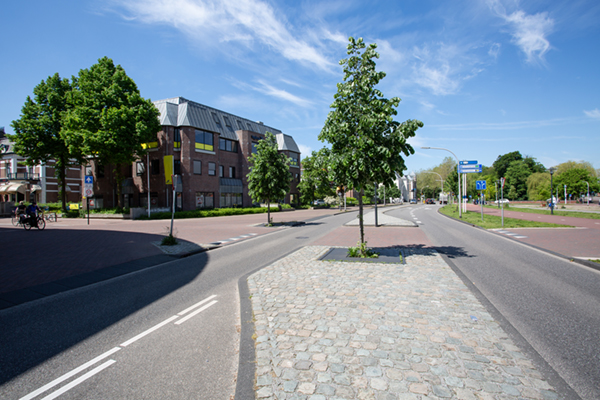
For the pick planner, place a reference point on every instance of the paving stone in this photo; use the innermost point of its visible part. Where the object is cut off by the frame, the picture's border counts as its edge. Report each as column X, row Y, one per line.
column 328, row 329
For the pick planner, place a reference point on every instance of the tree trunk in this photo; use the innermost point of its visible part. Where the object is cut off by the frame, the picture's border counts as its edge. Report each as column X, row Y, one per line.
column 119, row 179
column 360, row 216
column 268, row 212
column 61, row 167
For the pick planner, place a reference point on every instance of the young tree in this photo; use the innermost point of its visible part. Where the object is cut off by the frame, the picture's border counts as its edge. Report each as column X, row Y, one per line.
column 109, row 120
column 366, row 143
column 269, row 177
column 315, row 182
column 39, row 132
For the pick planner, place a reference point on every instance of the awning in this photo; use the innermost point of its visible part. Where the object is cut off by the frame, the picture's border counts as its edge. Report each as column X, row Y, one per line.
column 14, row 188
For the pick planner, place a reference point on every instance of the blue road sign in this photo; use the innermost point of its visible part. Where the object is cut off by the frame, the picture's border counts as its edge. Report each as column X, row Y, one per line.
column 467, row 162
column 89, row 180
column 469, row 169
column 480, row 185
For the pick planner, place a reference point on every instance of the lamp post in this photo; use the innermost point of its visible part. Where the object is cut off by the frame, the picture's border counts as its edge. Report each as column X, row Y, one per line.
column 457, row 164
column 551, row 170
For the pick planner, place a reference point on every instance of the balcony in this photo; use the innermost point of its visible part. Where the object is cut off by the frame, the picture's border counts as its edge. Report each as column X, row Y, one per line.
column 23, row 176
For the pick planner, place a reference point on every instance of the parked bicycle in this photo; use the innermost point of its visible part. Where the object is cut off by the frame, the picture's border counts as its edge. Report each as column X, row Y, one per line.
column 50, row 216
column 39, row 219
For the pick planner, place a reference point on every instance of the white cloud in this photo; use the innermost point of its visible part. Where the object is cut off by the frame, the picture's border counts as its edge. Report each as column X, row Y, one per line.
column 228, row 21
column 593, row 113
column 272, row 91
column 529, row 32
column 305, row 150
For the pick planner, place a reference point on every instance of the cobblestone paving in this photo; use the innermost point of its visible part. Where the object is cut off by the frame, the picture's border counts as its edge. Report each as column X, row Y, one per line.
column 334, row 330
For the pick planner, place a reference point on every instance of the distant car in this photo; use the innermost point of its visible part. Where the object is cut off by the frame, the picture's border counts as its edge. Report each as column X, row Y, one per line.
column 505, row 201
column 319, row 202
column 413, row 201
column 429, row 201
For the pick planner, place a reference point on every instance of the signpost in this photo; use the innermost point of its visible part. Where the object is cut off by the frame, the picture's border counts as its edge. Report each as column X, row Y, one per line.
column 88, row 190
column 502, row 181
column 481, row 186
column 469, row 169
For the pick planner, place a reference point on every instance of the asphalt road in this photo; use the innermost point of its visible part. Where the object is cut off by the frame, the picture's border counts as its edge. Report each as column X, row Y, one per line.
column 549, row 305
column 170, row 331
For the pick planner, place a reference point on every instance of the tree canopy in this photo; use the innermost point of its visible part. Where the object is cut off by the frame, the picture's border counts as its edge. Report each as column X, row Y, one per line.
column 39, row 135
column 269, row 177
column 367, row 145
column 315, row 182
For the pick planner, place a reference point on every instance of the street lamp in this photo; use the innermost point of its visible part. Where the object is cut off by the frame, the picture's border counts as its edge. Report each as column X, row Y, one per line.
column 551, row 170
column 457, row 164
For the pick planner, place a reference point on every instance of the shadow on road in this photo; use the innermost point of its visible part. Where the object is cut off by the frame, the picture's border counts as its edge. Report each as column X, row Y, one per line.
column 34, row 332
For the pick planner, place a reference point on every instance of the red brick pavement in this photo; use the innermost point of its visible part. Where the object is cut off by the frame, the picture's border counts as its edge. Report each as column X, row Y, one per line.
column 71, row 247
column 583, row 242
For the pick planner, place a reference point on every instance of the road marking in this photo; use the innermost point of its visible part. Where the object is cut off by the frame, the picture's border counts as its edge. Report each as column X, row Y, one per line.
column 197, row 305
column 79, row 380
column 155, row 327
column 69, row 374
column 220, row 242
column 419, row 222
column 198, row 311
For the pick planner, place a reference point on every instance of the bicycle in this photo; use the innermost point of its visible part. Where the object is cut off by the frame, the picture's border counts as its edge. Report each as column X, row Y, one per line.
column 41, row 223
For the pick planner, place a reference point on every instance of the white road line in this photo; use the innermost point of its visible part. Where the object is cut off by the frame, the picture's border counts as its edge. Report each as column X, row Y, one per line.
column 141, row 335
column 69, row 374
column 198, row 311
column 79, row 380
column 196, row 305
column 418, row 222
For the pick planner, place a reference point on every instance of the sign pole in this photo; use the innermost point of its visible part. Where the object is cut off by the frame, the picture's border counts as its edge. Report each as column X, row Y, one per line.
column 88, row 208
column 174, row 177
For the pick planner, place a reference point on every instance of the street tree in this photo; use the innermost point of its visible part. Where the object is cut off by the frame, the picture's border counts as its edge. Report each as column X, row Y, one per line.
column 315, row 182
column 269, row 177
column 516, row 178
column 576, row 179
column 109, row 120
column 366, row 143
column 39, row 132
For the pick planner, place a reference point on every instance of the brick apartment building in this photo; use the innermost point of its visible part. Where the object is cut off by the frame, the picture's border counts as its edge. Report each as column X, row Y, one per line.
column 207, row 148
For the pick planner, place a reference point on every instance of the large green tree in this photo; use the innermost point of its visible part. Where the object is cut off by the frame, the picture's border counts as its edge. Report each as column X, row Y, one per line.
column 109, row 120
column 366, row 143
column 269, row 177
column 516, row 179
column 576, row 179
column 39, row 134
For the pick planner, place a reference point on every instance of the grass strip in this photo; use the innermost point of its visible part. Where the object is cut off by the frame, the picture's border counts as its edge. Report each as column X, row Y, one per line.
column 495, row 222
column 575, row 214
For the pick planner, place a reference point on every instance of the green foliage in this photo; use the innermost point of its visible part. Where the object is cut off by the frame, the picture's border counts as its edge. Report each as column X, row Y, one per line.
column 516, row 179
column 38, row 132
column 362, row 251
column 494, row 221
column 215, row 212
column 366, row 143
column 561, row 168
column 576, row 179
column 538, row 186
column 503, row 162
column 108, row 118
column 269, row 178
column 169, row 240
column 315, row 183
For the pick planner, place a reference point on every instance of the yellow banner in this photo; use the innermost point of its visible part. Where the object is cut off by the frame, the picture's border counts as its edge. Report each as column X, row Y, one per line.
column 168, row 161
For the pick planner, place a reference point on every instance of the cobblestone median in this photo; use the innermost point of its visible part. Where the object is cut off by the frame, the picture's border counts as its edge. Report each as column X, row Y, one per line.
column 334, row 330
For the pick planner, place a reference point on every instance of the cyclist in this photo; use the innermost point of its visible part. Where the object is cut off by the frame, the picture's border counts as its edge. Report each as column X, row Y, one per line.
column 20, row 210
column 32, row 212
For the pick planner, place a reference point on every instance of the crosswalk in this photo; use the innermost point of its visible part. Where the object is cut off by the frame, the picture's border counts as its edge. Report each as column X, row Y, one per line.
column 511, row 234
column 233, row 239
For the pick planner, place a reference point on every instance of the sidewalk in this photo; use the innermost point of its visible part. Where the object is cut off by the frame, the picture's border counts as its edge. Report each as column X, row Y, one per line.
column 332, row 330
column 70, row 253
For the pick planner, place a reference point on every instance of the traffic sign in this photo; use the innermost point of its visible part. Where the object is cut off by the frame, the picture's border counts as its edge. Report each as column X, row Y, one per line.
column 469, row 169
column 480, row 185
column 88, row 187
column 467, row 162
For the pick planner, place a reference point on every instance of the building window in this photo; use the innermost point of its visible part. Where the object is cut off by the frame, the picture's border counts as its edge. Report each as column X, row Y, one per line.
column 227, row 123
column 204, row 200
column 177, row 139
column 230, row 200
column 240, row 125
column 216, row 119
column 232, row 172
column 154, row 167
column 139, row 168
column 177, row 167
column 212, row 168
column 197, row 167
column 221, row 168
column 254, row 149
column 228, row 145
column 249, row 126
column 204, row 140
column 294, row 157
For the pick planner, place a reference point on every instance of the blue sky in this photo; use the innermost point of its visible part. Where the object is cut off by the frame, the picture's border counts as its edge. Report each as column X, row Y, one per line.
column 486, row 77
